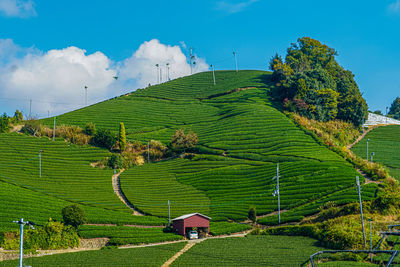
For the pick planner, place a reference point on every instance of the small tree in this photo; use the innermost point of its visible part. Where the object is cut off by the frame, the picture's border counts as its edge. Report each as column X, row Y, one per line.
column 73, row 215
column 4, row 123
column 252, row 214
column 182, row 141
column 122, row 137
column 18, row 116
column 104, row 138
column 90, row 129
column 116, row 160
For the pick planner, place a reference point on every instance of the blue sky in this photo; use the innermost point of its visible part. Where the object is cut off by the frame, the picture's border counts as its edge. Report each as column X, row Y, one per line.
column 115, row 38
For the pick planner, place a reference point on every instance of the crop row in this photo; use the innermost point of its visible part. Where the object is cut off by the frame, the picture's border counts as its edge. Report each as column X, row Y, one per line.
column 250, row 251
column 146, row 256
column 385, row 144
column 67, row 177
column 122, row 235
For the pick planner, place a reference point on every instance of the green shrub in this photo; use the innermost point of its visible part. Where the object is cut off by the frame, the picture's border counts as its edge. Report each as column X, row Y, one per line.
column 116, row 160
column 73, row 215
column 252, row 214
column 32, row 127
column 53, row 235
column 90, row 129
column 104, row 138
column 4, row 123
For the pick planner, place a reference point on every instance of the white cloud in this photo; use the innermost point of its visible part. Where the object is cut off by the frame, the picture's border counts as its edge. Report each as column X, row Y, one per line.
column 394, row 7
column 17, row 8
column 141, row 66
column 55, row 79
column 233, row 7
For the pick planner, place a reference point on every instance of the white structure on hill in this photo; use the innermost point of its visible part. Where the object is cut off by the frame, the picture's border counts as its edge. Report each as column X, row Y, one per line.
column 375, row 119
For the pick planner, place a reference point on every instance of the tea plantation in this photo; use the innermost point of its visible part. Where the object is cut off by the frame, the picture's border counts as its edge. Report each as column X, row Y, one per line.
column 241, row 138
column 250, row 251
column 385, row 143
column 66, row 178
column 147, row 256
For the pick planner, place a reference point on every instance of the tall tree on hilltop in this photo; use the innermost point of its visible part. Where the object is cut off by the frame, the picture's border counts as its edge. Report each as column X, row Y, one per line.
column 311, row 83
column 395, row 108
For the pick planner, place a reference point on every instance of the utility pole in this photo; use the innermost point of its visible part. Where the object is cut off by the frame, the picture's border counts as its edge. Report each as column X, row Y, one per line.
column 367, row 148
column 370, row 237
column 234, row 54
column 361, row 210
column 191, row 57
column 276, row 192
column 40, row 163
column 169, row 214
column 21, row 237
column 167, row 74
column 48, row 114
column 54, row 129
column 30, row 108
column 148, row 151
column 213, row 73
column 86, row 95
column 158, row 74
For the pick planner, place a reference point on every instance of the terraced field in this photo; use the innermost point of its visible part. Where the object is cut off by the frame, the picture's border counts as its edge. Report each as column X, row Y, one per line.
column 250, row 251
column 385, row 143
column 147, row 256
column 122, row 235
column 241, row 138
column 66, row 178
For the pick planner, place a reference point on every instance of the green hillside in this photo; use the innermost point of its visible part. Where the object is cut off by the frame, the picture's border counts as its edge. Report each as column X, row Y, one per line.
column 241, row 138
column 67, row 177
column 385, row 143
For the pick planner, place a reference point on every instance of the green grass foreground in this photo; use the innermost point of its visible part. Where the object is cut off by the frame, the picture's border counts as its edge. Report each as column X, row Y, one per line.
column 250, row 251
column 146, row 256
column 385, row 143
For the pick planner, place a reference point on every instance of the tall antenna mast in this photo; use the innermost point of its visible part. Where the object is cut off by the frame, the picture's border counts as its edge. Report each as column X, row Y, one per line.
column 234, row 54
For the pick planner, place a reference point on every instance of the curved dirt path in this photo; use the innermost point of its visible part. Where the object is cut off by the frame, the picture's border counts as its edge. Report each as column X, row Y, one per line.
column 118, row 191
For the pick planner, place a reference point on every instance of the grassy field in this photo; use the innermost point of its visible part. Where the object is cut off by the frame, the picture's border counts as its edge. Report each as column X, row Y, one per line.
column 67, row 178
column 385, row 143
column 241, row 138
column 147, row 256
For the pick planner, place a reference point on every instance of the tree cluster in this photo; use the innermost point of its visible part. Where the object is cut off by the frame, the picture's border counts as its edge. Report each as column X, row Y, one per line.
column 4, row 123
column 394, row 110
column 182, row 141
column 310, row 82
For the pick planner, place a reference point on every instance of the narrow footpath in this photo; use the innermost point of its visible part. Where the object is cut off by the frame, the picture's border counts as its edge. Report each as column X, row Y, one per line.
column 118, row 191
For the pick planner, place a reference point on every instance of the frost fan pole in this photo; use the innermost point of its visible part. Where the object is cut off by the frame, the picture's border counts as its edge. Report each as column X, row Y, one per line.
column 54, row 129
column 21, row 238
column 361, row 209
column 276, row 193
column 169, row 214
